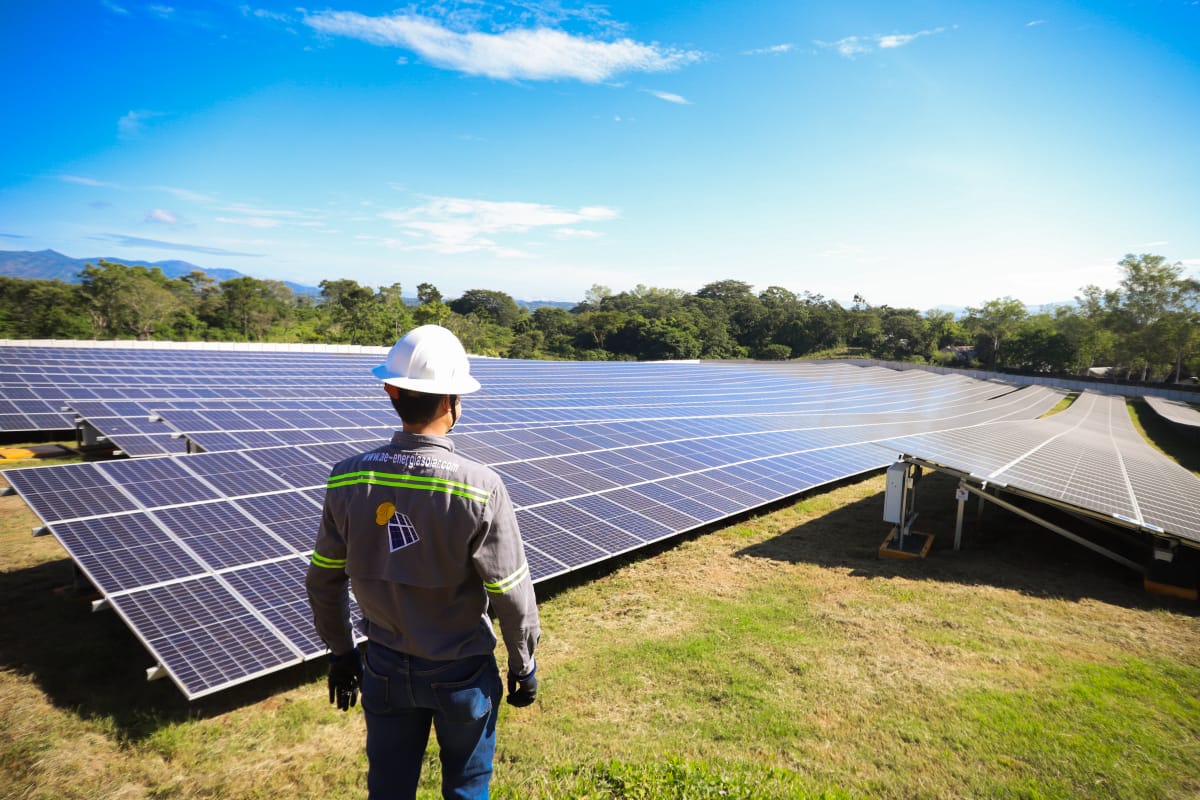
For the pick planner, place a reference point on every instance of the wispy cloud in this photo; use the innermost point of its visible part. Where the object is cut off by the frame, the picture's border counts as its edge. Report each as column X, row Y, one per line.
column 452, row 225
column 262, row 13
column 162, row 216
column 254, row 211
column 576, row 233
column 773, row 50
column 669, row 97
column 1035, row 22
column 85, row 181
column 852, row 46
column 133, row 124
column 137, row 241
column 185, row 194
column 13, row 236
column 253, row 222
column 114, row 8
column 516, row 54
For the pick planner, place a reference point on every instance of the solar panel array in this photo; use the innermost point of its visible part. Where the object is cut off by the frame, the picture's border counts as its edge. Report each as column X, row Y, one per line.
column 203, row 554
column 1089, row 457
column 113, row 391
column 1175, row 411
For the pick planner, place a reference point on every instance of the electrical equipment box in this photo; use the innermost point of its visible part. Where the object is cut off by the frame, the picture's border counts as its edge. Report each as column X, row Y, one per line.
column 893, row 496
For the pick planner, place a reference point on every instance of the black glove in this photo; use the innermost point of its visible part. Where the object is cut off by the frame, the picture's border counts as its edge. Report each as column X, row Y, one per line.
column 522, row 689
column 345, row 675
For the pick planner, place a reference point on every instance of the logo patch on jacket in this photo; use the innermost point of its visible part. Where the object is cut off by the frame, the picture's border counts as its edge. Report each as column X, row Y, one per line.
column 401, row 532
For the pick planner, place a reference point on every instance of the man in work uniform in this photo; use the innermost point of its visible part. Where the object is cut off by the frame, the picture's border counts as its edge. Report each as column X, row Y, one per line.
column 428, row 539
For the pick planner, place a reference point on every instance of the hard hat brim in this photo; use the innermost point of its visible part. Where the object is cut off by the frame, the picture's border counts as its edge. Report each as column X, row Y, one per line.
column 461, row 384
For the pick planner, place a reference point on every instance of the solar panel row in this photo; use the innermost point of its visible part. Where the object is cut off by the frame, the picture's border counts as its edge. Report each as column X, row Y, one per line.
column 203, row 554
column 185, row 537
column 1089, row 457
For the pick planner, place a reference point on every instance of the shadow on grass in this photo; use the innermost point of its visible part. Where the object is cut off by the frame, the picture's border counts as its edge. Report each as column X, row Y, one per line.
column 1181, row 443
column 92, row 664
column 998, row 549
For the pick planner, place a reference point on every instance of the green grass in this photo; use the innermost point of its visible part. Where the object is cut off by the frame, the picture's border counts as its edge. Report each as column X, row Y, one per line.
column 777, row 657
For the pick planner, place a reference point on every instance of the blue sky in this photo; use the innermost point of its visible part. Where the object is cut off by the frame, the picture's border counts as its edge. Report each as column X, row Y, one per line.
column 917, row 154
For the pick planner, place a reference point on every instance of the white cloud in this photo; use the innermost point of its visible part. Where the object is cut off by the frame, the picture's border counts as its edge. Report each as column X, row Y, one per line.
column 669, row 97
column 451, row 225
column 116, row 9
column 162, row 216
column 532, row 54
column 1035, row 22
column 852, row 46
column 773, row 50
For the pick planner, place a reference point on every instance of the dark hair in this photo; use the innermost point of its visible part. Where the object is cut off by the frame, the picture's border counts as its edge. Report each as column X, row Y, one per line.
column 416, row 408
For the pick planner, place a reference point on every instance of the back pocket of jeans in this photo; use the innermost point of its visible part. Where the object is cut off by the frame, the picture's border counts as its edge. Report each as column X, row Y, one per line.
column 465, row 701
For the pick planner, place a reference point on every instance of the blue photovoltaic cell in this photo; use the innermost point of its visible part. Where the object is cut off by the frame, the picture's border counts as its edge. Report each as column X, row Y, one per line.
column 294, row 466
column 606, row 536
column 125, row 551
column 641, row 526
column 221, row 535
column 541, row 564
column 68, row 491
column 289, row 516
column 203, row 635
column 157, row 481
column 234, row 474
column 277, row 590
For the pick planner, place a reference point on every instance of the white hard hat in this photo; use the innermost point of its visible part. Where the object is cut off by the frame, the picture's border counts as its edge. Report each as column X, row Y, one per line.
column 428, row 359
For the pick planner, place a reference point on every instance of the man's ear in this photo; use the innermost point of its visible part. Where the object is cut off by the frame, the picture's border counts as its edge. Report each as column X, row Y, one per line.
column 392, row 391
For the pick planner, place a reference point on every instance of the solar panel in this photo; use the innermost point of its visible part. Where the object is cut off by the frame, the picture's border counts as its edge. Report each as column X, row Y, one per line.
column 1176, row 411
column 1089, row 457
column 600, row 459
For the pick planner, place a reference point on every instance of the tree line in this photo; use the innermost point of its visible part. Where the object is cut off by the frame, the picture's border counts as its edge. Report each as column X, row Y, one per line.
column 1146, row 329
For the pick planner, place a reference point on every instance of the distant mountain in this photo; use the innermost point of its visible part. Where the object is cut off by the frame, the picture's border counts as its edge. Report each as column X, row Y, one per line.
column 534, row 305
column 961, row 311
column 51, row 265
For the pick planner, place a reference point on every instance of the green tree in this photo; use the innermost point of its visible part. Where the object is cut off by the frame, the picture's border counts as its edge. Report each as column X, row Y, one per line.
column 41, row 309
column 132, row 301
column 1150, row 288
column 943, row 329
column 742, row 307
column 557, row 329
column 397, row 317
column 250, row 307
column 497, row 307
column 599, row 325
column 994, row 321
column 428, row 293
column 354, row 314
column 906, row 334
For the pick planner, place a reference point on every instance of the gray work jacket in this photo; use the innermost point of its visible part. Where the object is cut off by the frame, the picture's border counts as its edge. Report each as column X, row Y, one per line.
column 425, row 538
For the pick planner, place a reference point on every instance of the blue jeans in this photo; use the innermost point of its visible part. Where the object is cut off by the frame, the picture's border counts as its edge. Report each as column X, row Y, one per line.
column 403, row 695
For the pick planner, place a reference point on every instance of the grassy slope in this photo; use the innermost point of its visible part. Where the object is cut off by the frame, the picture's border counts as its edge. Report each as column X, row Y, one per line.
column 775, row 657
